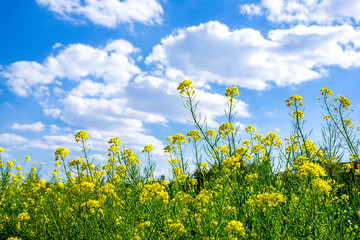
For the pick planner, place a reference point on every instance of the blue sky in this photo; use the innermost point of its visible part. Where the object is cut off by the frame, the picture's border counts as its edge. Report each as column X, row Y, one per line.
column 112, row 67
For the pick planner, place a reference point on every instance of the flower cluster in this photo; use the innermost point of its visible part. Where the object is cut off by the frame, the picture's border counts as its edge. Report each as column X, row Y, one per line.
column 148, row 148
column 210, row 133
column 311, row 169
column 225, row 129
column 186, row 87
column 325, row 92
column 345, row 103
column 235, row 227
column 267, row 200
column 177, row 139
column 81, row 136
column 231, row 92
column 153, row 192
column 194, row 135
column 294, row 99
column 61, row 153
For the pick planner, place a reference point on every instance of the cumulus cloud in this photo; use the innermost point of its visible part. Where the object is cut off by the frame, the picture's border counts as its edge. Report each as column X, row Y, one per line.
column 109, row 13
column 305, row 11
column 37, row 127
column 111, row 63
column 211, row 52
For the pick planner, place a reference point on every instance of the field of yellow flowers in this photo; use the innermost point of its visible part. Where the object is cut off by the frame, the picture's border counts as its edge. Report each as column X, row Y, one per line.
column 235, row 193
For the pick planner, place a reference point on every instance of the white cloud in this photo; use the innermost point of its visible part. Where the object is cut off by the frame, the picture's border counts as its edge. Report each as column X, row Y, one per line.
column 250, row 9
column 306, row 11
column 109, row 13
column 212, row 52
column 12, row 139
column 37, row 127
column 77, row 61
column 211, row 105
column 54, row 128
column 53, row 112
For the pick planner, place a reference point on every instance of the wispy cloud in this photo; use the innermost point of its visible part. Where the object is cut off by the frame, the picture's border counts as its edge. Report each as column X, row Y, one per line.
column 305, row 11
column 109, row 13
column 37, row 127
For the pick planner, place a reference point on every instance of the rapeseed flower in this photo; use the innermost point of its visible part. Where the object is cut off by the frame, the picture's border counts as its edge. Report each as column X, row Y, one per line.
column 231, row 93
column 344, row 102
column 9, row 164
column 61, row 153
column 193, row 135
column 178, row 139
column 186, row 87
column 294, row 99
column 81, row 136
column 264, row 200
column 250, row 128
column 321, row 186
column 235, row 227
column 210, row 133
column 311, row 169
column 325, row 92
column 148, row 148
column 203, row 164
column 225, row 129
column 298, row 114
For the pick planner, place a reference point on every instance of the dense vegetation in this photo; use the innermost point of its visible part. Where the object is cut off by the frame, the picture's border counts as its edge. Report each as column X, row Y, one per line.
column 236, row 192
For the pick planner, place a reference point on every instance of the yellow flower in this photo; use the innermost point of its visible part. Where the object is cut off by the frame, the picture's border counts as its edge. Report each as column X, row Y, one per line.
column 81, row 135
column 1, row 149
column 298, row 114
column 23, row 216
column 114, row 140
column 178, row 139
column 249, row 129
column 321, row 186
column 326, row 92
column 27, row 158
column 186, row 87
column 203, row 164
column 348, row 123
column 61, row 152
column 210, row 133
column 235, row 227
column 9, row 164
column 294, row 99
column 177, row 228
column 231, row 92
column 148, row 148
column 345, row 198
column 345, row 103
column 225, row 129
column 193, row 181
column 311, row 169
column 264, row 200
column 193, row 135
